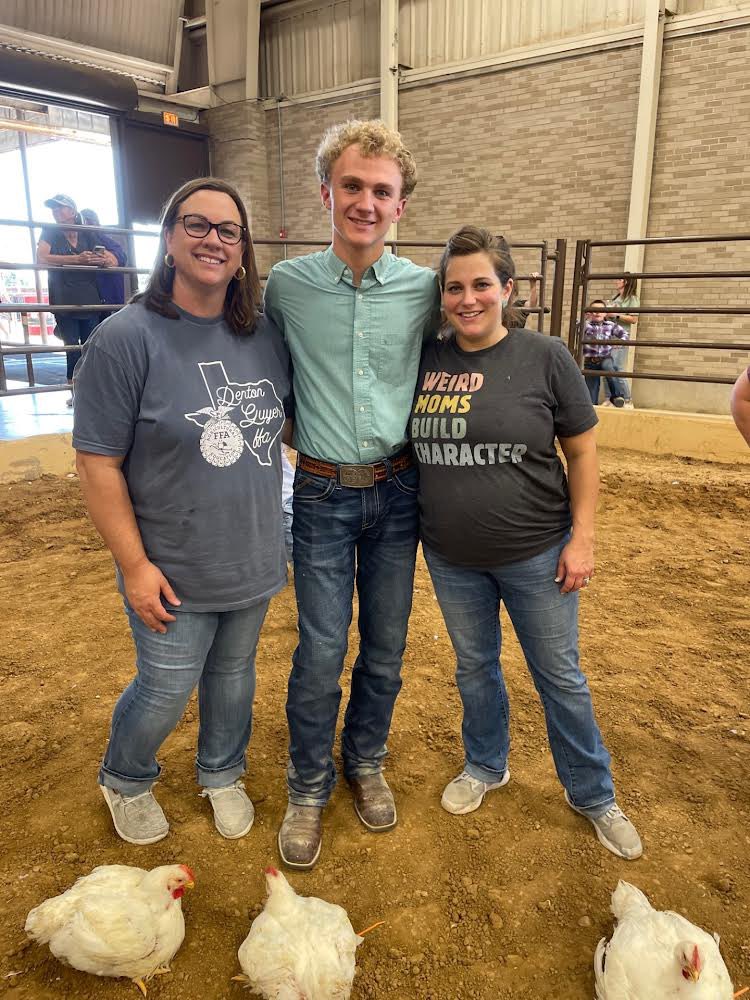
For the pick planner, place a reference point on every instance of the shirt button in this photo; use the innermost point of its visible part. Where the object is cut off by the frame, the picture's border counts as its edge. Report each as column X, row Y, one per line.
column 360, row 371
column 361, row 409
column 360, row 334
column 365, row 444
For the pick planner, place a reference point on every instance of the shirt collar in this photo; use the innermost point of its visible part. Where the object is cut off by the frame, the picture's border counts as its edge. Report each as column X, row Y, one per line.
column 340, row 270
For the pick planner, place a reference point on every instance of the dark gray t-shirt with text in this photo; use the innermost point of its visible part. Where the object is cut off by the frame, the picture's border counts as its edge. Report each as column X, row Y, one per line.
column 197, row 411
column 483, row 426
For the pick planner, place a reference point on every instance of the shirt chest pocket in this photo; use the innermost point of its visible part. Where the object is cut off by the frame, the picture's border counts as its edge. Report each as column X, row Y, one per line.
column 395, row 356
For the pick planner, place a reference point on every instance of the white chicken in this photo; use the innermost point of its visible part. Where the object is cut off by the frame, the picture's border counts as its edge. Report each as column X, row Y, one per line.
column 657, row 954
column 116, row 921
column 299, row 947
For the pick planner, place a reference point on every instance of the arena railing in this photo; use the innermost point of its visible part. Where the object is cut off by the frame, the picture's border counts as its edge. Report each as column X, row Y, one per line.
column 583, row 275
column 547, row 256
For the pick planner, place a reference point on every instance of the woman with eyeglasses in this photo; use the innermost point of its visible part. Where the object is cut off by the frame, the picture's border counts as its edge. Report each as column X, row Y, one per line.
column 180, row 407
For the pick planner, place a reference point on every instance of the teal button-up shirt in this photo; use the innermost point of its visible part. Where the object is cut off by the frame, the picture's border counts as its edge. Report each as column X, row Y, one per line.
column 355, row 350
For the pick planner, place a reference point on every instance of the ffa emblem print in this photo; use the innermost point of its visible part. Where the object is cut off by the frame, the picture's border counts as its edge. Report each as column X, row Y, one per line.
column 221, row 442
column 242, row 416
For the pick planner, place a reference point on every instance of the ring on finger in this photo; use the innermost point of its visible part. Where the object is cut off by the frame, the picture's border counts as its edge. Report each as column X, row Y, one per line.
column 586, row 581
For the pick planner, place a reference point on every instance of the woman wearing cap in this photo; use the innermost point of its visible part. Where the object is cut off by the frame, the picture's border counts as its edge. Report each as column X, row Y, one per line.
column 71, row 249
column 501, row 522
column 179, row 413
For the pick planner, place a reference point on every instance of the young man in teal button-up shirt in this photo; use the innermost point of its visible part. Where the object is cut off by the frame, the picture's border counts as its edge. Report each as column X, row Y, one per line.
column 354, row 318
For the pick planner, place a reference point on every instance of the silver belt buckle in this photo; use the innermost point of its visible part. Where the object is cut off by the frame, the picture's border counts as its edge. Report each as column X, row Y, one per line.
column 358, row 476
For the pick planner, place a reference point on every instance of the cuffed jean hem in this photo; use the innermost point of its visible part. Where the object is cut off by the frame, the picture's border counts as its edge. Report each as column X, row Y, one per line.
column 320, row 799
column 595, row 811
column 317, row 793
column 361, row 770
column 484, row 774
column 296, row 799
column 125, row 786
column 221, row 777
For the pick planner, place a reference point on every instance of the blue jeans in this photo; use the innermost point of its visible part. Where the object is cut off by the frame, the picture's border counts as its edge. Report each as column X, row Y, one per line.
column 344, row 535
column 74, row 329
column 546, row 624
column 216, row 651
column 615, row 386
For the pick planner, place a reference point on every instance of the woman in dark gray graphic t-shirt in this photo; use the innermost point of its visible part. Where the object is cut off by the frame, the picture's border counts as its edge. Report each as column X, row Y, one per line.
column 501, row 522
column 179, row 409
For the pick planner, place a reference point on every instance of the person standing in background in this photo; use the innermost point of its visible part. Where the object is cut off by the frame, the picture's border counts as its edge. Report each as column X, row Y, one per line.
column 625, row 298
column 111, row 286
column 71, row 249
column 598, row 327
column 522, row 305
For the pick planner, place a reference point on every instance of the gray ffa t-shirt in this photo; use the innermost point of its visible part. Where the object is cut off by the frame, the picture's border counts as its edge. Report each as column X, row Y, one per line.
column 197, row 411
column 483, row 425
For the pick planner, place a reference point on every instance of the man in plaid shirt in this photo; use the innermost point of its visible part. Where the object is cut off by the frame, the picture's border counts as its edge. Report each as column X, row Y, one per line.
column 600, row 328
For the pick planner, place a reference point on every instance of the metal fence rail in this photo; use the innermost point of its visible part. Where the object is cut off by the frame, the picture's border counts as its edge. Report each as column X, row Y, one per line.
column 546, row 254
column 583, row 275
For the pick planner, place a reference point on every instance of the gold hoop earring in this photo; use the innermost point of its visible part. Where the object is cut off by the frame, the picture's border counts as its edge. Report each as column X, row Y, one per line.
column 168, row 260
column 240, row 274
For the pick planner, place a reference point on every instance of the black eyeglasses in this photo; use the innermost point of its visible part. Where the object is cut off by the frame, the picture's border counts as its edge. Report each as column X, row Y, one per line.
column 198, row 226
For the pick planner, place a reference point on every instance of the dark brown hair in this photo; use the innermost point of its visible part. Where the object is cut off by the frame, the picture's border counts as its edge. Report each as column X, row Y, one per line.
column 243, row 297
column 470, row 240
column 629, row 287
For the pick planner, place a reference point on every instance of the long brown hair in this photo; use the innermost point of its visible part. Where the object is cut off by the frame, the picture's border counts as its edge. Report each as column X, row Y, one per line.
column 629, row 288
column 472, row 239
column 243, row 297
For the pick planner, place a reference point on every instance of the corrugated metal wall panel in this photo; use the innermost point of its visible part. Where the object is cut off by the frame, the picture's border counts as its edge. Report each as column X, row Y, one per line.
column 433, row 32
column 695, row 6
column 318, row 45
column 315, row 45
column 141, row 28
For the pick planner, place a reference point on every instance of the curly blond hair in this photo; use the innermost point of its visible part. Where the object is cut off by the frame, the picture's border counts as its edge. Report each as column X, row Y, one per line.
column 374, row 138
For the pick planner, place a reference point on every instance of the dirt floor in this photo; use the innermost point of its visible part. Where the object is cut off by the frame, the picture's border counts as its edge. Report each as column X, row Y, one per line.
column 507, row 902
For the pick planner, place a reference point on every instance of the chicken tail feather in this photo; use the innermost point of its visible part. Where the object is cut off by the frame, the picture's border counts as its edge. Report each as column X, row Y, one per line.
column 599, row 958
column 628, row 900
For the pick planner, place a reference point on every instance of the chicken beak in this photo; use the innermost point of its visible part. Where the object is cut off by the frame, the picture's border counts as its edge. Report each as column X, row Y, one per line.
column 693, row 973
column 189, row 885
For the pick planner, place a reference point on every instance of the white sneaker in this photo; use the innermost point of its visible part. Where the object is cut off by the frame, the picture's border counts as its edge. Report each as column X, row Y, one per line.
column 615, row 831
column 233, row 810
column 607, row 402
column 464, row 794
column 628, row 405
column 138, row 819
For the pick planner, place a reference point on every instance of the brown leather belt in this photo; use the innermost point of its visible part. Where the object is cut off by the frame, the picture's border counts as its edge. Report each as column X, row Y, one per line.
column 358, row 476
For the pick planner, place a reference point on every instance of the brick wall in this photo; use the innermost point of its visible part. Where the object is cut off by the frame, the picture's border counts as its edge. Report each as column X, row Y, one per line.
column 239, row 154
column 545, row 151
column 535, row 153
